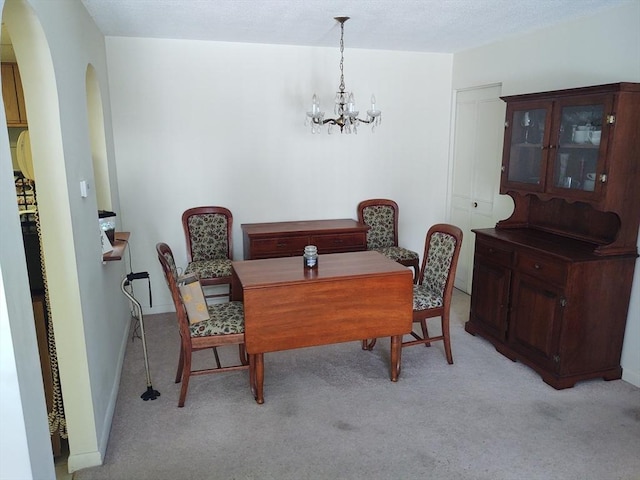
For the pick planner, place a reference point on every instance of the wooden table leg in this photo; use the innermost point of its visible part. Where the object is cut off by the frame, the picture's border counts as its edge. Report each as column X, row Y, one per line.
column 256, row 376
column 396, row 354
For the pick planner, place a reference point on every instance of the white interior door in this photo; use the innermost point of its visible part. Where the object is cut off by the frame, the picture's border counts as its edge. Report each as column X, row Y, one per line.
column 477, row 155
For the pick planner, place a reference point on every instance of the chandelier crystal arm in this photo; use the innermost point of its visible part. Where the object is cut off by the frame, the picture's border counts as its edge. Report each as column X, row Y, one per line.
column 345, row 106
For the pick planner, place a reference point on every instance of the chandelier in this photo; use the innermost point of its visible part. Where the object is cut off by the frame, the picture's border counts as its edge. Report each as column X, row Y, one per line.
column 345, row 104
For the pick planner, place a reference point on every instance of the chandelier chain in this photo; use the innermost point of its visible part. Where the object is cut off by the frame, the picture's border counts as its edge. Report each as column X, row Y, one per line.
column 342, row 57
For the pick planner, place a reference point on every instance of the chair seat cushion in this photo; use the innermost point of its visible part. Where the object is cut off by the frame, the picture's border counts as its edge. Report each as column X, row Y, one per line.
column 398, row 253
column 225, row 318
column 210, row 268
column 425, row 299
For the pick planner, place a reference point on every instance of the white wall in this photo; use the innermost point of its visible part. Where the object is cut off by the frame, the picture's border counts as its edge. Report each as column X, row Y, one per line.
column 54, row 42
column 210, row 123
column 549, row 60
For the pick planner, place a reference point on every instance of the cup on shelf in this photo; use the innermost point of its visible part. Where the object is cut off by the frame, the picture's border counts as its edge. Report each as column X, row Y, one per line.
column 594, row 136
column 581, row 136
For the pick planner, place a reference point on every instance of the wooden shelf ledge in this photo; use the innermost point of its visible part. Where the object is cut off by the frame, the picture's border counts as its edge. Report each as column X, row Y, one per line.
column 119, row 245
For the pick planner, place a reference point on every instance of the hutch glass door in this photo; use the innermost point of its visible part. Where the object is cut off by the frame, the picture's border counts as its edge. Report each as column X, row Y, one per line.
column 526, row 162
column 579, row 132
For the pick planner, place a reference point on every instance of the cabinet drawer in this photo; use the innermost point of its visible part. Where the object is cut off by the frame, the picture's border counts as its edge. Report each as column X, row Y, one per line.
column 545, row 268
column 497, row 253
column 335, row 243
column 278, row 247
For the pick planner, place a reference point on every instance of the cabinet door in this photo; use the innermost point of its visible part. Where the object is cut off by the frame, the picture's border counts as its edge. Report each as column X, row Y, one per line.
column 535, row 320
column 9, row 95
column 490, row 296
column 524, row 162
column 577, row 166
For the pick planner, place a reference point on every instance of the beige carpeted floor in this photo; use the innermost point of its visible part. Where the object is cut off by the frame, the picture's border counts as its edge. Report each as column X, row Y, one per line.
column 331, row 413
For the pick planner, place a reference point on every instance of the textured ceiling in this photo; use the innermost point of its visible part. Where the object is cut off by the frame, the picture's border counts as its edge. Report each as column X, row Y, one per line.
column 444, row 26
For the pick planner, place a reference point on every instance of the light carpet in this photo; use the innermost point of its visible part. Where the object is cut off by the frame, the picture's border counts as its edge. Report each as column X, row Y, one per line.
column 331, row 412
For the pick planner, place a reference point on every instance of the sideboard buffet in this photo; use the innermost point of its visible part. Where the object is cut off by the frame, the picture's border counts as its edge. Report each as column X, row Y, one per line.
column 552, row 283
column 287, row 239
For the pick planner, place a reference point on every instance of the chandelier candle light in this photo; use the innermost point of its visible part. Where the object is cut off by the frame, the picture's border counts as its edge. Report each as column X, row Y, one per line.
column 345, row 106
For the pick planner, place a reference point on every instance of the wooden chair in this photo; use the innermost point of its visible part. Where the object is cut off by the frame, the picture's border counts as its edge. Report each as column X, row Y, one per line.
column 432, row 295
column 224, row 327
column 382, row 217
column 207, row 231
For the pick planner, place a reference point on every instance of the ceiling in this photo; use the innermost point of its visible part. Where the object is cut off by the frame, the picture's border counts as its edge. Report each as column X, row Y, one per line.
column 437, row 26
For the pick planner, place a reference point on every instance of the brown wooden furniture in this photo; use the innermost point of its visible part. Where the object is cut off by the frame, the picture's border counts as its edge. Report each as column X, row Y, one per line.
column 552, row 283
column 382, row 217
column 350, row 296
column 285, row 239
column 13, row 96
column 432, row 295
column 225, row 327
column 207, row 231
column 119, row 245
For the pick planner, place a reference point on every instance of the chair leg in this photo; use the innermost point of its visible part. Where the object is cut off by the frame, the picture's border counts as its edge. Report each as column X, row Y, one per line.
column 425, row 332
column 215, row 354
column 368, row 344
column 186, row 374
column 446, row 337
column 180, row 364
column 244, row 359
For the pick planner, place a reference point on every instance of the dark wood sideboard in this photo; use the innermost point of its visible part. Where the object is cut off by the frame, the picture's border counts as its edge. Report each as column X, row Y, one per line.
column 552, row 283
column 288, row 239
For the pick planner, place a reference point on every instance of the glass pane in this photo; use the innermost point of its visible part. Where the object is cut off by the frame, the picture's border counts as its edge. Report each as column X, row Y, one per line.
column 525, row 156
column 581, row 125
column 577, row 155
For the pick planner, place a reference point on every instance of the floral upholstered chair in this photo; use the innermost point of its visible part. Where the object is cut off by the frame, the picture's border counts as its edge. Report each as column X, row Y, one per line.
column 225, row 326
column 207, row 232
column 382, row 217
column 432, row 295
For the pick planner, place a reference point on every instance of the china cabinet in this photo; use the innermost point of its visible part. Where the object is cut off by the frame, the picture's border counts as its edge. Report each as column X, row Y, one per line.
column 551, row 283
column 13, row 96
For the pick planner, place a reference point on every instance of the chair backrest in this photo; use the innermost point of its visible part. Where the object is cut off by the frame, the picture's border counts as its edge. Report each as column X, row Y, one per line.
column 441, row 251
column 382, row 217
column 165, row 256
column 207, row 231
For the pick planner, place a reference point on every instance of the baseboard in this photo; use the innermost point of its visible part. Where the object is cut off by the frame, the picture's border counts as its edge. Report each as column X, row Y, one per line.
column 84, row 460
column 631, row 376
column 111, row 407
column 94, row 459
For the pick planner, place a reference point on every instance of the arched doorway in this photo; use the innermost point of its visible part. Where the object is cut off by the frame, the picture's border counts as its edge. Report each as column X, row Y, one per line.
column 63, row 302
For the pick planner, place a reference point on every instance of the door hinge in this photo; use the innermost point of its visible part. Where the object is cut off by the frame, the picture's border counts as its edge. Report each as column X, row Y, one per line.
column 563, row 302
column 611, row 119
column 506, row 124
column 556, row 358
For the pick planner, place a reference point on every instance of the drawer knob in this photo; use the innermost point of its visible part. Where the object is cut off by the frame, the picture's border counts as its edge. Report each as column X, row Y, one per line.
column 537, row 266
column 491, row 250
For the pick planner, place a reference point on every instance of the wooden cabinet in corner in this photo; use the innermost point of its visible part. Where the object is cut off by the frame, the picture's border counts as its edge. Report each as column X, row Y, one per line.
column 13, row 96
column 552, row 283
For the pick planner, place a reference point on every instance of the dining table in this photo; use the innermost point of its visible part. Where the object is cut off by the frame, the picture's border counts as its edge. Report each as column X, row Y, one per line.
column 345, row 297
